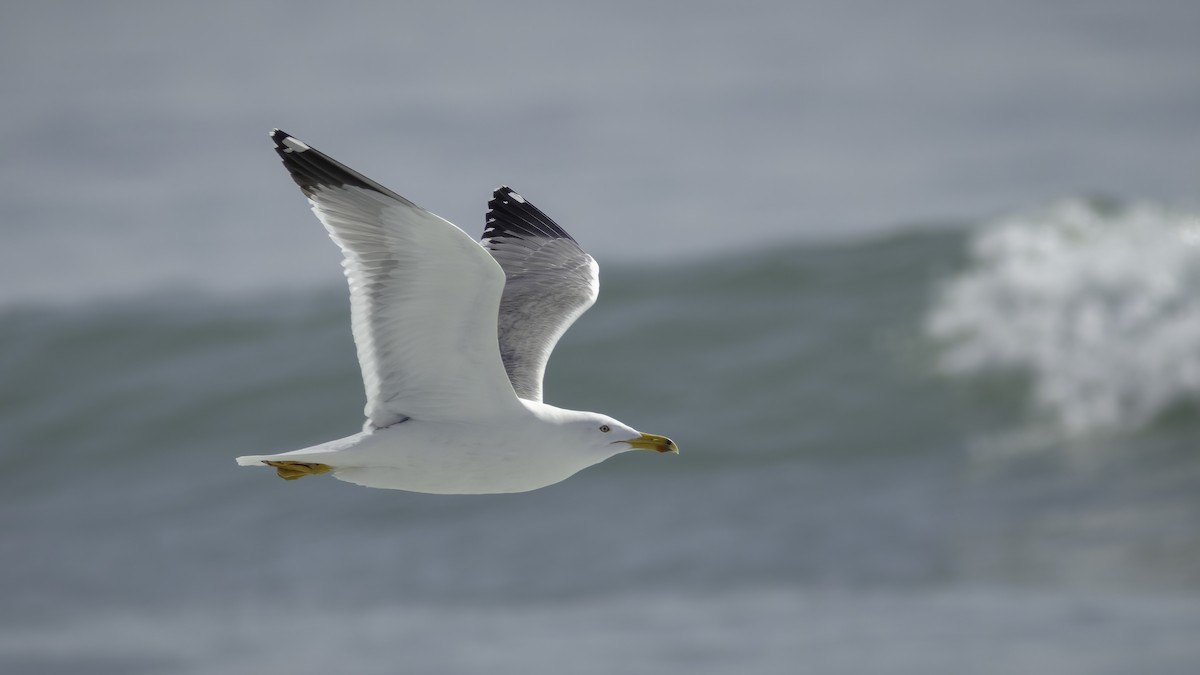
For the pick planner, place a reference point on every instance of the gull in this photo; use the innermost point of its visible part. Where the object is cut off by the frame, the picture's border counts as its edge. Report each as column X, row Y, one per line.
column 453, row 336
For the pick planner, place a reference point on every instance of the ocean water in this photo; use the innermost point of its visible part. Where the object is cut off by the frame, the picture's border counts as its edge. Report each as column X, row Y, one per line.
column 938, row 412
column 858, row 490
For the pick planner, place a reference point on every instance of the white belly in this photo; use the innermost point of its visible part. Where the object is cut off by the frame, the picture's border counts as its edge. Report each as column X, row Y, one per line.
column 448, row 458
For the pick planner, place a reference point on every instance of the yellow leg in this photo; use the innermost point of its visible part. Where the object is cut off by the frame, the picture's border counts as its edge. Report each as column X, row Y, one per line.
column 294, row 470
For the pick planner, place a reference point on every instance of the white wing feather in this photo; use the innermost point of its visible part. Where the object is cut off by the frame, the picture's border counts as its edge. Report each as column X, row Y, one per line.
column 424, row 297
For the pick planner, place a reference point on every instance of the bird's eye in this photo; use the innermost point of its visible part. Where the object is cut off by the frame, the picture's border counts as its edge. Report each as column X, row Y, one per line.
column 605, row 428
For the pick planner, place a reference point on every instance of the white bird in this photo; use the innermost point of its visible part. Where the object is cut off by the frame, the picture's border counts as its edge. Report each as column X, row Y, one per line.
column 453, row 337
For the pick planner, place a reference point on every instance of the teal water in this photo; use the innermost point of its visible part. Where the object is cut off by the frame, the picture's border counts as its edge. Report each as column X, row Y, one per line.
column 911, row 450
column 847, row 476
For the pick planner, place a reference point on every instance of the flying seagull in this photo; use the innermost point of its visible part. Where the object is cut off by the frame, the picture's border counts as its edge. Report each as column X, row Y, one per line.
column 453, row 337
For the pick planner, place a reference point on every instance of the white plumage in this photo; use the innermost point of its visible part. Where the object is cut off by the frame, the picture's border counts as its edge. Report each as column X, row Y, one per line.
column 453, row 340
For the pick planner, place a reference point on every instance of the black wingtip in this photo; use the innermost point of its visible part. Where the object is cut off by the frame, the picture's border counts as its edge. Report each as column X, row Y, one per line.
column 278, row 135
column 312, row 169
column 509, row 214
column 286, row 144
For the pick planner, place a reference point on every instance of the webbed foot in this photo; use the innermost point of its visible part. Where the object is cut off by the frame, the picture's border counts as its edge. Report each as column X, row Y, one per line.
column 294, row 470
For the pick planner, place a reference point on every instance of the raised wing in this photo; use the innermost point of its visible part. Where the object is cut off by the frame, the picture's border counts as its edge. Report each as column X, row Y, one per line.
column 550, row 281
column 423, row 297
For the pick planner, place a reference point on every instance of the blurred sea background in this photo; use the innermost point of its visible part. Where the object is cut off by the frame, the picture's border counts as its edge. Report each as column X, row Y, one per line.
column 915, row 286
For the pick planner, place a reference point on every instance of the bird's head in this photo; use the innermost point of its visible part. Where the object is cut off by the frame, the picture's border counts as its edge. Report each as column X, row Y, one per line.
column 611, row 436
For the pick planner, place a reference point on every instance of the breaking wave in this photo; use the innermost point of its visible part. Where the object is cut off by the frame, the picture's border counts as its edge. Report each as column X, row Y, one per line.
column 1099, row 303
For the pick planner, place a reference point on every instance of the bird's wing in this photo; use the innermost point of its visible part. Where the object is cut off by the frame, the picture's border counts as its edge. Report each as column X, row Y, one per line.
column 423, row 297
column 550, row 281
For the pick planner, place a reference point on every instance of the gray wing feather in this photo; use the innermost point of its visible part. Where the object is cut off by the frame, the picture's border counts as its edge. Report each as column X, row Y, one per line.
column 549, row 282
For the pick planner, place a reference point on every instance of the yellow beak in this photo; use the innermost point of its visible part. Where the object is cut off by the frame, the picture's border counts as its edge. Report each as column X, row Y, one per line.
column 653, row 442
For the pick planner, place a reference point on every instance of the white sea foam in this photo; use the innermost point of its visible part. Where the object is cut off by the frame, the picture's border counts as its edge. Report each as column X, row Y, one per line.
column 1100, row 305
